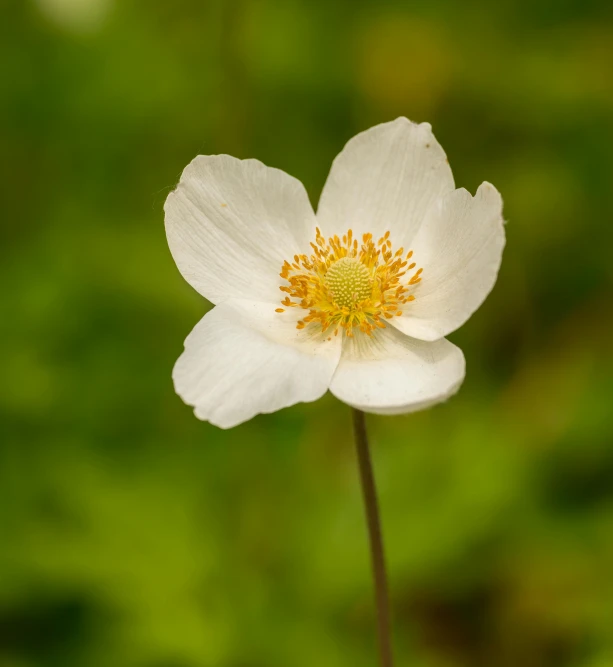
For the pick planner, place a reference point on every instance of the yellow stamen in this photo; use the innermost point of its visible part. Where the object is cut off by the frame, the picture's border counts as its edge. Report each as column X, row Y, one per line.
column 347, row 285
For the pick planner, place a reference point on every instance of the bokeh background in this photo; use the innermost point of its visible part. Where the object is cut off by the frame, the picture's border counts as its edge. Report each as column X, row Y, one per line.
column 133, row 535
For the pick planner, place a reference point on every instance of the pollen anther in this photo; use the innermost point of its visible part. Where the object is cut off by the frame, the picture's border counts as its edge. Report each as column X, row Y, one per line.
column 349, row 285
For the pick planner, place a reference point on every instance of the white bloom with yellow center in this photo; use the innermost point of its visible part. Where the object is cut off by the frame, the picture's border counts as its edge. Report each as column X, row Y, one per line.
column 356, row 299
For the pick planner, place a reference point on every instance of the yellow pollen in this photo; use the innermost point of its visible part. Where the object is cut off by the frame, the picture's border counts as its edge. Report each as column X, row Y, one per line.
column 350, row 285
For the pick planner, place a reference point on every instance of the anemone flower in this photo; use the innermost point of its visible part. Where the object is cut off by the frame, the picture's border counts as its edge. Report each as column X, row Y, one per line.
column 356, row 298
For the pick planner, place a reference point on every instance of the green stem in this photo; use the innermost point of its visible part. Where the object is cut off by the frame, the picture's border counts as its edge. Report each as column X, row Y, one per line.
column 376, row 541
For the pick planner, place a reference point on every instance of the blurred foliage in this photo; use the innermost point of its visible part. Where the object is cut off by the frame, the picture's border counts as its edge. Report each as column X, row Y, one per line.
column 133, row 535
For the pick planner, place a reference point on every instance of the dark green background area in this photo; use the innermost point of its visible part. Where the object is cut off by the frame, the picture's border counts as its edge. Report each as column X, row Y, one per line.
column 133, row 535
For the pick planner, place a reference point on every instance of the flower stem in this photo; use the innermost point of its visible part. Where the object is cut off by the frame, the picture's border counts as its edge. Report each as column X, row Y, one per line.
column 376, row 541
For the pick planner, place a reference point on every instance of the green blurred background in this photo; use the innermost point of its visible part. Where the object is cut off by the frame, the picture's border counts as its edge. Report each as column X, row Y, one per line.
column 133, row 535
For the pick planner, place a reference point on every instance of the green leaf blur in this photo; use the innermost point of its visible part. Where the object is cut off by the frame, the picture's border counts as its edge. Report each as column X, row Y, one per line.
column 133, row 535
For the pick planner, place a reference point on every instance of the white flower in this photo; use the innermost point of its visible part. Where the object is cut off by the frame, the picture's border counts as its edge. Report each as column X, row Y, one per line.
column 394, row 260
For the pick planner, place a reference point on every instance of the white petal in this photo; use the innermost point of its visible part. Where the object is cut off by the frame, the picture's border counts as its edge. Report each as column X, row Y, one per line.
column 391, row 373
column 230, row 224
column 243, row 359
column 385, row 179
column 460, row 248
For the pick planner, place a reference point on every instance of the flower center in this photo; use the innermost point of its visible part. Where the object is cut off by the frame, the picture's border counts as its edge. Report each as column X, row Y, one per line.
column 348, row 282
column 347, row 285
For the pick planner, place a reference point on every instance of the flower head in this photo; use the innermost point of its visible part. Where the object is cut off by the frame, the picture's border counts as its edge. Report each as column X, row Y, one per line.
column 356, row 298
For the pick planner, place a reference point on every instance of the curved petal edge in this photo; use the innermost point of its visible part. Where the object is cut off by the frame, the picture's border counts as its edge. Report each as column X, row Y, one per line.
column 391, row 373
column 243, row 359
